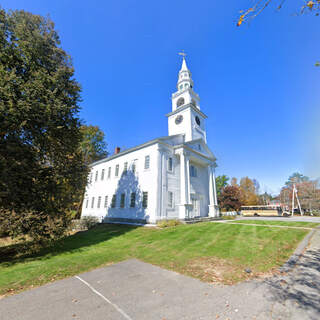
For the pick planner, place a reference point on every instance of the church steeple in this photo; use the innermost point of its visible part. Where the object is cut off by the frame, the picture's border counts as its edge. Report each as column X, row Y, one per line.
column 184, row 77
column 186, row 117
column 185, row 93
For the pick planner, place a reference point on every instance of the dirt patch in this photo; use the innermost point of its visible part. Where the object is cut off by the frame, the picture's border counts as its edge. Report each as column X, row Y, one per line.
column 216, row 270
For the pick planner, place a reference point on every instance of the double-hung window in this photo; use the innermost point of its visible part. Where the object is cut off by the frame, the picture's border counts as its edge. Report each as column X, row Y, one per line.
column 114, row 200
column 125, row 168
column 170, row 164
column 92, row 202
column 117, row 171
column 96, row 177
column 102, row 174
column 109, row 172
column 87, row 203
column 170, row 199
column 193, row 171
column 122, row 200
column 134, row 166
column 146, row 162
column 133, row 200
column 106, row 201
column 99, row 202
column 145, row 199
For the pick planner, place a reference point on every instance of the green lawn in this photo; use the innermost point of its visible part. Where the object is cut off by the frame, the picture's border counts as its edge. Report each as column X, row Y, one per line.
column 280, row 223
column 209, row 251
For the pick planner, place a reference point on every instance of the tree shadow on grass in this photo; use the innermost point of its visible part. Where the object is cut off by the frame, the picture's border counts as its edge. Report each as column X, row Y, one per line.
column 11, row 254
column 130, row 210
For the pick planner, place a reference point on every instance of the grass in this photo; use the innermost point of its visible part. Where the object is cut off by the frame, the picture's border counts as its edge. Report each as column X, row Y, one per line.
column 208, row 251
column 280, row 223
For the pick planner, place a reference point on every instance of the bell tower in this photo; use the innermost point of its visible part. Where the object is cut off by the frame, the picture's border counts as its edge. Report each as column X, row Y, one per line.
column 186, row 117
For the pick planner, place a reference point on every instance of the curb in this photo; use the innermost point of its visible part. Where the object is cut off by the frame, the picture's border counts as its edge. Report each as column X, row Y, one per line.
column 292, row 261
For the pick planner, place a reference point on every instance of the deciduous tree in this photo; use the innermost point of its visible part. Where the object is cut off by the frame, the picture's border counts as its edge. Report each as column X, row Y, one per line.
column 248, row 192
column 229, row 199
column 221, row 182
column 93, row 145
column 41, row 165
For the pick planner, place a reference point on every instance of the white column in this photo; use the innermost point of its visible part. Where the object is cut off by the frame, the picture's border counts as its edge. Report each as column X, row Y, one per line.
column 188, row 179
column 184, row 186
column 159, row 209
column 213, row 202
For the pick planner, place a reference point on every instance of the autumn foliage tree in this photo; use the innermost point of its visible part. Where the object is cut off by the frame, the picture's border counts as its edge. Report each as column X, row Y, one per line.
column 248, row 191
column 41, row 164
column 229, row 199
column 260, row 5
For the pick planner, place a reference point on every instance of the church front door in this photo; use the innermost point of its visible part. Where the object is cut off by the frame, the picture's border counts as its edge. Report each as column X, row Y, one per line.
column 195, row 211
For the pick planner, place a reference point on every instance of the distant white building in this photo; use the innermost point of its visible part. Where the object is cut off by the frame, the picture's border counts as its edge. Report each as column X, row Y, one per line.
column 166, row 178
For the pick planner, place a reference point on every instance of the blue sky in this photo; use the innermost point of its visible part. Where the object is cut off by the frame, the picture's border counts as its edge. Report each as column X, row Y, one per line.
column 257, row 84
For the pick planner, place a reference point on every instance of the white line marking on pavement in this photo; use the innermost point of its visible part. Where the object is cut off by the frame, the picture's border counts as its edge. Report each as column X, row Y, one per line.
column 104, row 298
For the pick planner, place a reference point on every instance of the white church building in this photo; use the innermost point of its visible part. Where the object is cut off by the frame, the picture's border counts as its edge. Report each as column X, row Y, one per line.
column 171, row 177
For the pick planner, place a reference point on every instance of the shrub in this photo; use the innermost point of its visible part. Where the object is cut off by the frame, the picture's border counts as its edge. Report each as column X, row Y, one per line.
column 168, row 223
column 228, row 217
column 85, row 223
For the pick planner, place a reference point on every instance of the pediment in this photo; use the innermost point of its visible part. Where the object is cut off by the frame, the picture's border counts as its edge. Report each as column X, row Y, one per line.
column 201, row 147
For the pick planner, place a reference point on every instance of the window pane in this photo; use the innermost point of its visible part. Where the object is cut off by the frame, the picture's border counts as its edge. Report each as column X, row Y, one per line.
column 114, row 199
column 99, row 202
column 102, row 174
column 170, row 167
column 87, row 203
column 96, row 178
column 117, row 170
column 106, row 201
column 170, row 199
column 193, row 171
column 92, row 202
column 134, row 166
column 147, row 162
column 109, row 172
column 145, row 200
column 125, row 167
column 133, row 200
column 122, row 200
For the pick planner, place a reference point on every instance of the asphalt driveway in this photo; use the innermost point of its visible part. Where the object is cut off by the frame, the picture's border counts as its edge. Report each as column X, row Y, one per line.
column 136, row 290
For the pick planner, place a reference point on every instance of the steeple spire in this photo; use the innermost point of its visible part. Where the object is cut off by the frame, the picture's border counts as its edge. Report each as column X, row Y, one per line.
column 184, row 65
column 184, row 78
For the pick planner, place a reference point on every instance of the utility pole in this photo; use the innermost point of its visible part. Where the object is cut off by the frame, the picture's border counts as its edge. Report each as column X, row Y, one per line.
column 295, row 194
column 292, row 208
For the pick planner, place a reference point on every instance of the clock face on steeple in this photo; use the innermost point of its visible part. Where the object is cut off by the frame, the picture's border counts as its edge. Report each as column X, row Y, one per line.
column 178, row 119
column 198, row 120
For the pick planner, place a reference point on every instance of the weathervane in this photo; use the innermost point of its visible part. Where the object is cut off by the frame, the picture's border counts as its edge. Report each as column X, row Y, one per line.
column 183, row 54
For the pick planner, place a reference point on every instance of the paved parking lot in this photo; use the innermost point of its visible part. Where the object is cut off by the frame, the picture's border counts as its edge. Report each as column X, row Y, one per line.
column 288, row 219
column 135, row 290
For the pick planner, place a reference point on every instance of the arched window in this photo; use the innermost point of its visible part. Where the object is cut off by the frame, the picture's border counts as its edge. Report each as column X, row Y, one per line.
column 180, row 102
column 186, row 85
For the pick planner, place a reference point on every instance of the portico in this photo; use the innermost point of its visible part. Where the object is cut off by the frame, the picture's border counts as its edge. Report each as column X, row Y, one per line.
column 192, row 202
